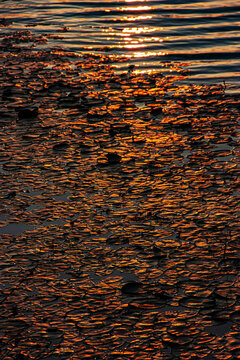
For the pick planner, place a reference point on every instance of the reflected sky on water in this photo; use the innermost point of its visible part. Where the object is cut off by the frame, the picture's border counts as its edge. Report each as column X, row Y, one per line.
column 202, row 35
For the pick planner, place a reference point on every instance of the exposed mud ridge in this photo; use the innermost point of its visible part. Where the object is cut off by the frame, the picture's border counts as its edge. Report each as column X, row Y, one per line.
column 120, row 210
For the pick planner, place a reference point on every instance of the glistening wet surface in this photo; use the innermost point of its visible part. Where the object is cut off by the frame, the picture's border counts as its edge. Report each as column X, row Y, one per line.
column 130, row 184
column 203, row 34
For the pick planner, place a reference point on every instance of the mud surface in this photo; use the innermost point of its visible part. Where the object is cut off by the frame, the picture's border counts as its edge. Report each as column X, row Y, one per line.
column 120, row 210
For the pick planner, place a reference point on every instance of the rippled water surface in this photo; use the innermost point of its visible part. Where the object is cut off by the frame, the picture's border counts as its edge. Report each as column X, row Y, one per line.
column 204, row 36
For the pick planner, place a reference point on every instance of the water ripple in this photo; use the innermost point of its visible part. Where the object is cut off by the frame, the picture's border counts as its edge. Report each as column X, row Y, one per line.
column 205, row 34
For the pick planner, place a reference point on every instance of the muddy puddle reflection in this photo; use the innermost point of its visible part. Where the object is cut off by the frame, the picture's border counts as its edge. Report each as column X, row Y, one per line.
column 126, row 190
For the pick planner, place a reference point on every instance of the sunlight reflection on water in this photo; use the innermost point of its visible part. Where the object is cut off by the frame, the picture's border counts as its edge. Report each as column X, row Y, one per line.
column 204, row 34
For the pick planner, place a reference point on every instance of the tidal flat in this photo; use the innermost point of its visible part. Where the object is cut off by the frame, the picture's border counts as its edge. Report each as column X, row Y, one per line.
column 119, row 209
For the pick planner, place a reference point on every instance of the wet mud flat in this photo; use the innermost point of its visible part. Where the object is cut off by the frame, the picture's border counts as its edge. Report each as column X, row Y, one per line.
column 119, row 210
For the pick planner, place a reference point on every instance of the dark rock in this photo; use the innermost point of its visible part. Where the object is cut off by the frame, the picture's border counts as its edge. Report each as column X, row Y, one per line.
column 112, row 131
column 83, row 107
column 26, row 113
column 156, row 111
column 53, row 330
column 20, row 357
column 117, row 129
column 14, row 310
column 113, row 158
column 163, row 296
column 85, row 148
column 116, row 240
column 5, row 22
column 183, row 125
column 132, row 287
column 56, row 85
column 7, row 94
column 145, row 98
column 11, row 194
column 61, row 146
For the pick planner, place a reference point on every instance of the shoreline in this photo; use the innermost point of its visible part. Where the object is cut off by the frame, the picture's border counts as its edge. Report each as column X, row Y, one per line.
column 131, row 184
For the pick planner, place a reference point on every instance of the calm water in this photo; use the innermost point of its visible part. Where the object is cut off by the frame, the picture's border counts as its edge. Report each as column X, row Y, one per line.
column 204, row 36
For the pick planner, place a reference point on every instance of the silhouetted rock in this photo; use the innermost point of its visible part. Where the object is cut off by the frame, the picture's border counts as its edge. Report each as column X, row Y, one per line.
column 156, row 111
column 27, row 113
column 11, row 194
column 61, row 146
column 132, row 287
column 113, row 158
column 7, row 93
column 118, row 129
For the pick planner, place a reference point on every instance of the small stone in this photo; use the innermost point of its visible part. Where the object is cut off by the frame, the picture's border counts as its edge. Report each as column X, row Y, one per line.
column 184, row 125
column 131, row 67
column 7, row 93
column 113, row 158
column 61, row 146
column 11, row 194
column 163, row 296
column 156, row 111
column 132, row 287
column 26, row 113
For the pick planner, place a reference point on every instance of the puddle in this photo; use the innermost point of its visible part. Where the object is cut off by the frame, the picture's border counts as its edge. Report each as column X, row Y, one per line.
column 16, row 228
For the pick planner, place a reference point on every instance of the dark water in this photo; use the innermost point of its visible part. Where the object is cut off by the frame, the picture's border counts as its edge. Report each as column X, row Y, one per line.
column 204, row 36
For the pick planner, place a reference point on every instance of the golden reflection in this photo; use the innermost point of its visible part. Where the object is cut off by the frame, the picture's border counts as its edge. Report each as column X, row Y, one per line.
column 149, row 53
column 134, row 45
column 133, row 40
column 139, row 30
column 137, row 38
column 137, row 18
column 135, row 8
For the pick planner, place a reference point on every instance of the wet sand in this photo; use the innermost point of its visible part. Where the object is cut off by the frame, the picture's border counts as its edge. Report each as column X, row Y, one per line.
column 120, row 210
